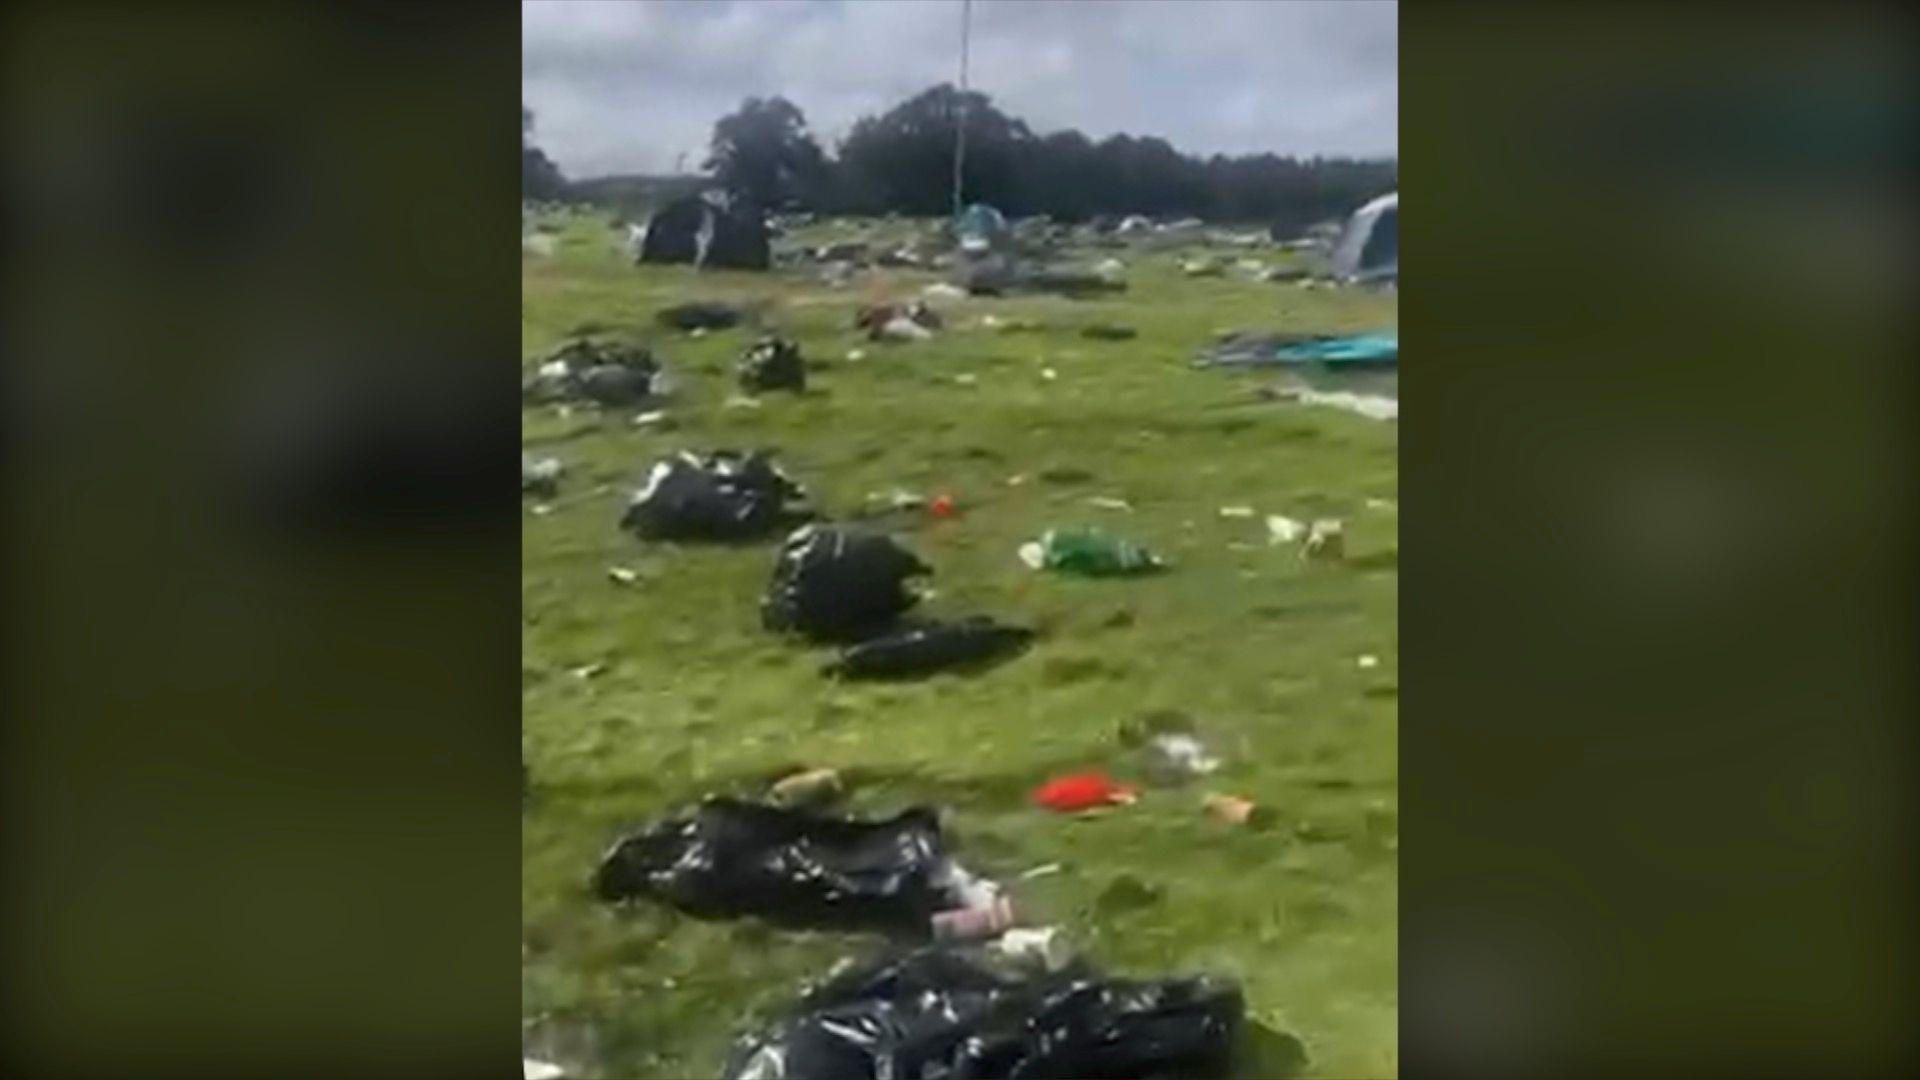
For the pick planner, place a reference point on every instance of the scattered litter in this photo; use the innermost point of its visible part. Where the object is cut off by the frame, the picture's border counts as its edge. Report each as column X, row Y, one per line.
column 966, row 379
column 539, row 476
column 1043, row 870
column 833, row 584
column 991, row 321
column 1043, row 948
column 1379, row 504
column 1089, row 552
column 1326, row 539
column 808, row 787
column 1049, row 374
column 1367, row 662
column 856, row 355
column 938, row 1012
column 533, row 1069
column 731, row 858
column 1256, row 350
column 1283, row 530
column 540, row 510
column 1107, row 502
column 1173, row 757
column 941, row 290
column 587, row 671
column 930, row 646
column 901, row 329
column 1016, row 480
column 697, row 332
column 1082, row 791
column 740, row 401
column 973, row 923
column 773, row 363
column 1201, row 268
column 700, row 315
column 1371, row 406
column 1111, row 269
column 656, row 418
column 622, row 575
column 1234, row 810
column 725, row 495
column 897, row 499
column 911, row 322
column 941, row 506
column 1236, row 511
column 597, row 370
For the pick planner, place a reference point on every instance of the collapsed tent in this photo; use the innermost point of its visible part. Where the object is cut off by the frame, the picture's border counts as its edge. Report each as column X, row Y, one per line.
column 723, row 496
column 1261, row 350
column 732, row 858
column 707, row 230
column 938, row 1014
column 1369, row 247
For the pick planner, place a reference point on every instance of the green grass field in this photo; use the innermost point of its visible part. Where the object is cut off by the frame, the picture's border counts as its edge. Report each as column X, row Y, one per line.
column 1257, row 647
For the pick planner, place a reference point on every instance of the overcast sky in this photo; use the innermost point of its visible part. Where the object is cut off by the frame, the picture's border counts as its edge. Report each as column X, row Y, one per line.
column 630, row 85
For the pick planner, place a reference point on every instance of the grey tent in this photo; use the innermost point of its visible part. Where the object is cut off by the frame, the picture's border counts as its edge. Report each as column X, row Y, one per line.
column 1369, row 247
column 707, row 230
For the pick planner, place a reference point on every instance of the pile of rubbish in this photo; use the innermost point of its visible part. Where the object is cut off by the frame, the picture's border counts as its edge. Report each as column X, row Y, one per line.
column 725, row 495
column 839, row 586
column 941, row 1014
column 597, row 370
column 912, row 321
column 731, row 858
column 773, row 363
column 539, row 476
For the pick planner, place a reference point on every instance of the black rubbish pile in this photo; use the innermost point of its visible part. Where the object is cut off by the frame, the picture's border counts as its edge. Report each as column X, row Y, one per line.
column 599, row 370
column 837, row 585
column 930, row 646
column 840, row 586
column 725, row 495
column 938, row 1014
column 733, row 858
column 700, row 315
column 773, row 364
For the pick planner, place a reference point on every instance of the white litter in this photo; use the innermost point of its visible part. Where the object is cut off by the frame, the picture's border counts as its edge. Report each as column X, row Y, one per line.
column 1043, row 870
column 648, row 419
column 1236, row 511
column 1367, row 661
column 856, row 355
column 965, row 379
column 1326, row 539
column 1108, row 502
column 532, row 1069
column 587, row 671
column 1033, row 554
column 1371, row 406
column 940, row 290
column 1041, row 947
column 622, row 575
column 1282, row 529
column 1049, row 374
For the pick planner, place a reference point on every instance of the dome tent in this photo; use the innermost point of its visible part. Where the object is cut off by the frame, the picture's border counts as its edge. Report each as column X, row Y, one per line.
column 706, row 230
column 1369, row 247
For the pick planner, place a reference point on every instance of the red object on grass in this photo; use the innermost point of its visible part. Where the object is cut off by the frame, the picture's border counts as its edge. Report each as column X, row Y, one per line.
column 941, row 506
column 1081, row 791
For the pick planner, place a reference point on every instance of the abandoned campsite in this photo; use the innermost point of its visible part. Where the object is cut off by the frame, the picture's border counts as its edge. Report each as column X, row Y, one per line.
column 959, row 625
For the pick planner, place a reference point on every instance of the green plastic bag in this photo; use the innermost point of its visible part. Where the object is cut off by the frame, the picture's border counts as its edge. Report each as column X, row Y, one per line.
column 1090, row 553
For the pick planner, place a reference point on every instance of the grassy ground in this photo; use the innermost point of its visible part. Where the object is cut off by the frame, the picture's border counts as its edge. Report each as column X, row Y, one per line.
column 1258, row 648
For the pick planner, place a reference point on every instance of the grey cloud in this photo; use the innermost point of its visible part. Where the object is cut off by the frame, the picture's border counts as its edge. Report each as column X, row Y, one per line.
column 620, row 87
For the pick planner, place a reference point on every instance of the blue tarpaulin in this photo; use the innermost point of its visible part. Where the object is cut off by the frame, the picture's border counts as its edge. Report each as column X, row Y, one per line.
column 1283, row 349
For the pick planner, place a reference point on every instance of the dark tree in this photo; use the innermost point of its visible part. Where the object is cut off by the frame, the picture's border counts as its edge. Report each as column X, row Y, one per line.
column 764, row 153
column 540, row 178
column 906, row 153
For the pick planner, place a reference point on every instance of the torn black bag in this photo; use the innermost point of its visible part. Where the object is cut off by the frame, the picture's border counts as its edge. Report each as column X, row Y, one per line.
column 722, row 496
column 938, row 1015
column 925, row 647
column 732, row 858
column 833, row 584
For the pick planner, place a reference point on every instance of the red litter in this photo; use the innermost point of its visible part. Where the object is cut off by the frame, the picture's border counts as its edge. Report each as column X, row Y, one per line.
column 941, row 506
column 1081, row 791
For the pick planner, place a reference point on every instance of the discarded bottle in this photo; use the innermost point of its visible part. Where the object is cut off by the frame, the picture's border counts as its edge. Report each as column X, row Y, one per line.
column 1039, row 947
column 1089, row 552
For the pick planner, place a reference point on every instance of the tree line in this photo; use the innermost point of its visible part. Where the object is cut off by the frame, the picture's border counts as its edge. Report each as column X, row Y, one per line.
column 901, row 161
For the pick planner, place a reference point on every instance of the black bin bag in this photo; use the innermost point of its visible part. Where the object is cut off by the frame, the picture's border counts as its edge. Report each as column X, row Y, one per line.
column 724, row 495
column 833, row 584
column 731, row 858
column 937, row 1014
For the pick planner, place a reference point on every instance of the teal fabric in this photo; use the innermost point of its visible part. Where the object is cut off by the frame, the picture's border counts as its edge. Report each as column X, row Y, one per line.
column 1357, row 348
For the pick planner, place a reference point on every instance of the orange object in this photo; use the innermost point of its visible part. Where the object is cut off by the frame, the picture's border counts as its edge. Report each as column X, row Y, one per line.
column 1081, row 791
column 941, row 506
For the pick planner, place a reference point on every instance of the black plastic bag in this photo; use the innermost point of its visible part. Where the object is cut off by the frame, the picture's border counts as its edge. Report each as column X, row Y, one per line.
column 938, row 1015
column 732, row 858
column 608, row 372
column 833, row 584
column 725, row 495
column 927, row 647
column 700, row 315
column 773, row 364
